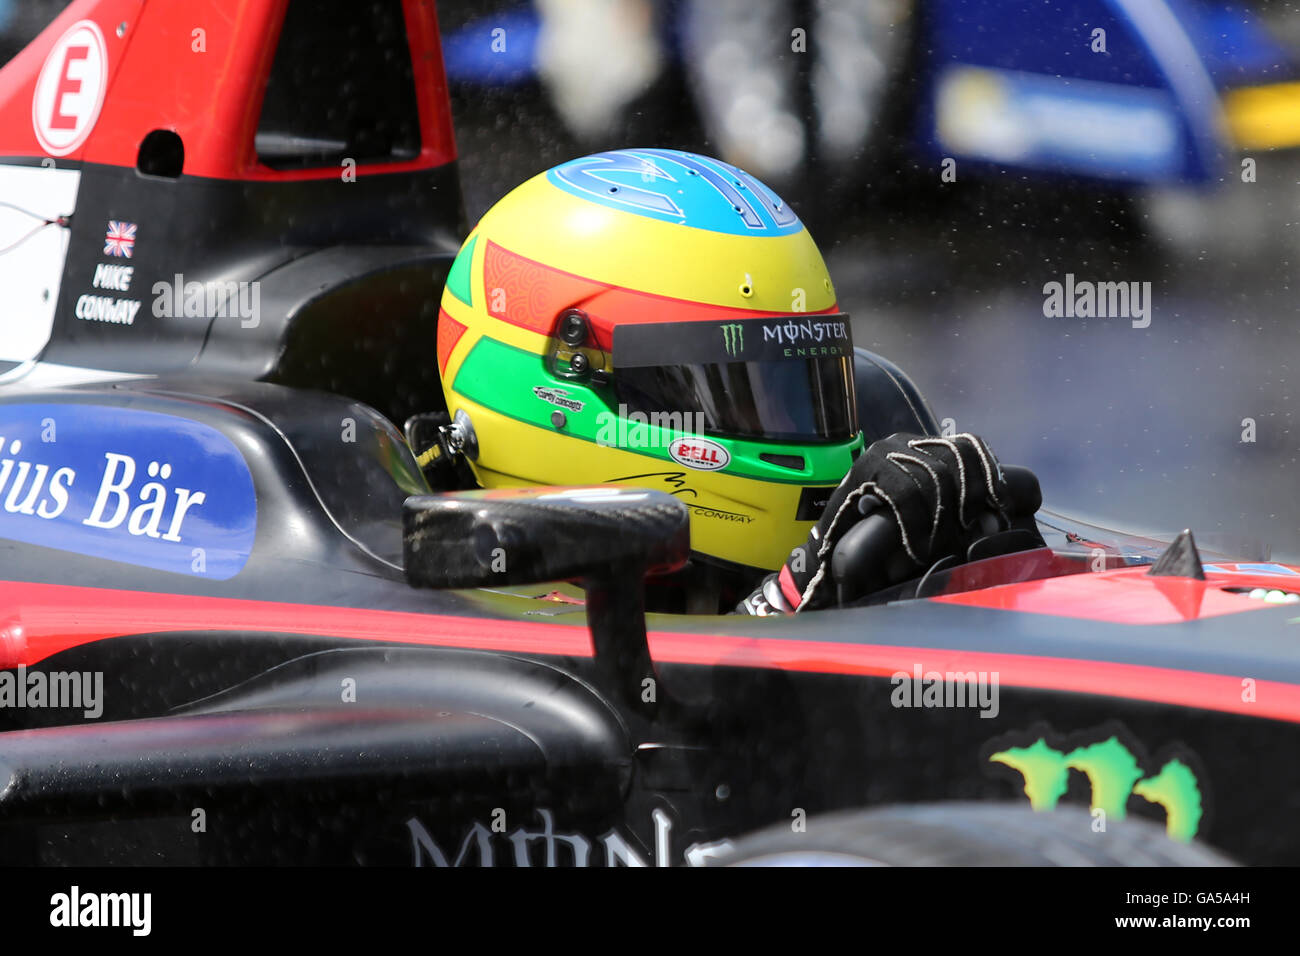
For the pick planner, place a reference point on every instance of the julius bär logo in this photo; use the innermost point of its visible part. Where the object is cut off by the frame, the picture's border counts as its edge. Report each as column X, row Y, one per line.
column 699, row 453
column 126, row 485
column 70, row 90
column 733, row 338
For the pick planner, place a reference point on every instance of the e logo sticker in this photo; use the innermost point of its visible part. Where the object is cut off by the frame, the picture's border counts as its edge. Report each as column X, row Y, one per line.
column 70, row 90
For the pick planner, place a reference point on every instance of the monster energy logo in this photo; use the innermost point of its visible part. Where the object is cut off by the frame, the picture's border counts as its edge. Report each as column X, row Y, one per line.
column 733, row 338
column 1113, row 774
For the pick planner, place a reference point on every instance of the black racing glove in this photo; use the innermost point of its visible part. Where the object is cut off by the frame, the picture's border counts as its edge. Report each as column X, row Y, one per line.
column 940, row 493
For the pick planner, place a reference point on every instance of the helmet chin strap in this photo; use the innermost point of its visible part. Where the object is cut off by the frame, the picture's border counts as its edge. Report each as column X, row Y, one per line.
column 454, row 444
column 453, row 439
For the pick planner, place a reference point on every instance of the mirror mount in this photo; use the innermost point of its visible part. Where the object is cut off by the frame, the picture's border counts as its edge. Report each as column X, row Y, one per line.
column 607, row 537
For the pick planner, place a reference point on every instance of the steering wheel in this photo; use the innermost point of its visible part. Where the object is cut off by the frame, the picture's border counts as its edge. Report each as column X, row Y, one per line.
column 870, row 556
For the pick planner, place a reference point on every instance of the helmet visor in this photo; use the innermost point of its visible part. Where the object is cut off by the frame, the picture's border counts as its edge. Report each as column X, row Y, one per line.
column 784, row 380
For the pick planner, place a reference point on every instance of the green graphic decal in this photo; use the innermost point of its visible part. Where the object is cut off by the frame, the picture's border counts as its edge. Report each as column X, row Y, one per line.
column 458, row 283
column 1113, row 775
column 1044, row 771
column 1175, row 789
column 733, row 338
column 1111, row 772
column 506, row 379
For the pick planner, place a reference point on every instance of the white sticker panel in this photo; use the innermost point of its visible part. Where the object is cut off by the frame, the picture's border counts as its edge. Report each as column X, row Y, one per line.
column 31, row 254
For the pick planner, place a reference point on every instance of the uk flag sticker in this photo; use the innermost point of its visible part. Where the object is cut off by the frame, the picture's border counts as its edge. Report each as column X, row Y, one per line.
column 120, row 239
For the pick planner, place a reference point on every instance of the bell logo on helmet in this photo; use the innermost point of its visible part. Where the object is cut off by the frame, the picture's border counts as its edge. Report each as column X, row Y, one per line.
column 733, row 338
column 699, row 453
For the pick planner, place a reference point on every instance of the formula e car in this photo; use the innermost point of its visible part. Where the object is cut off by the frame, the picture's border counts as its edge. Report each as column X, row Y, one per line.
column 236, row 626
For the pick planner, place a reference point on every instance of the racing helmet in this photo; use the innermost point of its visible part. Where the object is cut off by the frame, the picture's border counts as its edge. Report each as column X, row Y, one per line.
column 661, row 319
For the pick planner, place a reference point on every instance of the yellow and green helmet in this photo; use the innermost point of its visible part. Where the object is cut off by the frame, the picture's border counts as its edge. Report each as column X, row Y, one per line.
column 655, row 318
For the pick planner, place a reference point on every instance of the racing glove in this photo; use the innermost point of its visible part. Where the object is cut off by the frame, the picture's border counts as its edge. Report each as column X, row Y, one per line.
column 942, row 494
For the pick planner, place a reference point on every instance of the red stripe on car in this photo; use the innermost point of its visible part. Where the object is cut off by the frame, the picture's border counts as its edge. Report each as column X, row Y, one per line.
column 44, row 619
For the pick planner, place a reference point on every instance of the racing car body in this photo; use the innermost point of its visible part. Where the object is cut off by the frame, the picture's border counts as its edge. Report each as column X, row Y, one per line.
column 223, row 221
column 211, row 650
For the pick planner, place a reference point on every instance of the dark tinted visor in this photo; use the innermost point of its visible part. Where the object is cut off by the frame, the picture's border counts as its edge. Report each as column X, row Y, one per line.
column 784, row 379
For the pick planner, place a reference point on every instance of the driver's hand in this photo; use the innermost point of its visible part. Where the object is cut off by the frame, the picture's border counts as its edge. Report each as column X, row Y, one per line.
column 939, row 492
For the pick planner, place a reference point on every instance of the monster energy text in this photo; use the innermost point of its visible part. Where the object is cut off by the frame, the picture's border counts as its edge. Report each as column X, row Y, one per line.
column 806, row 332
